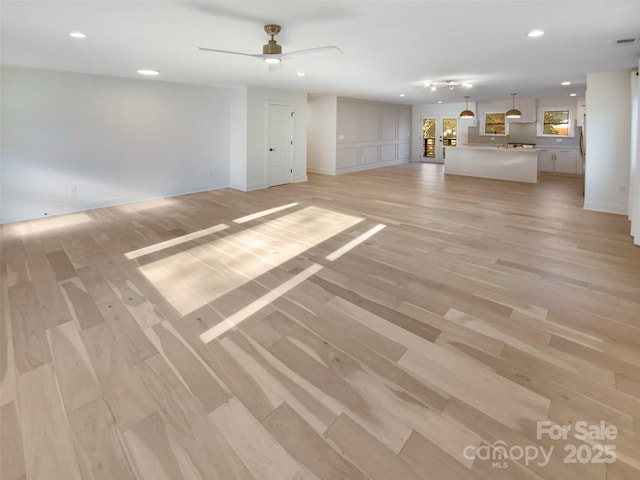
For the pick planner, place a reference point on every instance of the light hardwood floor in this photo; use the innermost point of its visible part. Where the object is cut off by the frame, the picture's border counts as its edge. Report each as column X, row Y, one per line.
column 165, row 341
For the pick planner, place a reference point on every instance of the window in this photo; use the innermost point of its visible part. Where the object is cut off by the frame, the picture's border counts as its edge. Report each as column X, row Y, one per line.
column 494, row 124
column 555, row 122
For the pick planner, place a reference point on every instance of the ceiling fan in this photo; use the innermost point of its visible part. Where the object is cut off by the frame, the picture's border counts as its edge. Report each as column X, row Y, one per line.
column 272, row 52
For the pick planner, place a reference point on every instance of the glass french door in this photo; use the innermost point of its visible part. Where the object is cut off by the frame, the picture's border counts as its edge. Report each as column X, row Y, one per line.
column 438, row 134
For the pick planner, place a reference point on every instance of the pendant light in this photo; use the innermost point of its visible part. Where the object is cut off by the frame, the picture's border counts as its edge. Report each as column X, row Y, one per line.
column 466, row 113
column 514, row 112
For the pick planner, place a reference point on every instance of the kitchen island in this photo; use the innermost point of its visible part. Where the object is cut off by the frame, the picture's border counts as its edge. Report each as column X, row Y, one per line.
column 515, row 164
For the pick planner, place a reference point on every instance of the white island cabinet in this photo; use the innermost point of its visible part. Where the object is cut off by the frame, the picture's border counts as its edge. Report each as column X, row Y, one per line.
column 560, row 160
column 518, row 165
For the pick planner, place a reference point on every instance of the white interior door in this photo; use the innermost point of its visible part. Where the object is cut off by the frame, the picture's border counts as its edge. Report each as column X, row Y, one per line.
column 438, row 134
column 280, row 143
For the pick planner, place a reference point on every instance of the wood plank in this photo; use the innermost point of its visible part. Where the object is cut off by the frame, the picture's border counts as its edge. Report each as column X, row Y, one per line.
column 15, row 260
column 317, row 407
column 12, row 466
column 8, row 375
column 303, row 305
column 371, row 358
column 61, row 265
column 132, row 340
column 264, row 457
column 189, row 367
column 141, row 307
column 366, row 452
column 98, row 443
column 198, row 445
column 430, row 462
column 53, row 307
column 493, row 431
column 151, row 454
column 418, row 328
column 127, row 397
column 48, row 447
column 628, row 385
column 540, row 350
column 367, row 410
column 307, row 447
column 76, row 379
column 413, row 412
column 500, row 398
column 84, row 310
column 235, row 375
column 27, row 327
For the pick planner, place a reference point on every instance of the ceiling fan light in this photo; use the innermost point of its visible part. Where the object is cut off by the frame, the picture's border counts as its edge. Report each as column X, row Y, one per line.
column 272, row 60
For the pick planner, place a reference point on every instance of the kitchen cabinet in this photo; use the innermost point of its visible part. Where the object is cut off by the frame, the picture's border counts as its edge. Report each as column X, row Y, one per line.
column 566, row 162
column 545, row 160
column 559, row 160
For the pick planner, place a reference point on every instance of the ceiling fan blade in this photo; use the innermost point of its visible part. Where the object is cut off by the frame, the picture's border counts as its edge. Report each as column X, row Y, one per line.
column 312, row 51
column 230, row 52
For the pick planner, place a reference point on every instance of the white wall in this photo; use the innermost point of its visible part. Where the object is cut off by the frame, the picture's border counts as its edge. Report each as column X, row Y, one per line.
column 371, row 134
column 257, row 99
column 238, row 138
column 634, row 178
column 72, row 142
column 321, row 133
column 608, row 142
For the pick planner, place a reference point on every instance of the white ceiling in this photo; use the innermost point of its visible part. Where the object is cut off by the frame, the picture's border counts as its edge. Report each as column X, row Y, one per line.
column 390, row 47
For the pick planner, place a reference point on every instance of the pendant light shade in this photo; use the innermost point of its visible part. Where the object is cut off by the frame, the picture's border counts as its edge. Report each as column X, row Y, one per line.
column 514, row 112
column 466, row 113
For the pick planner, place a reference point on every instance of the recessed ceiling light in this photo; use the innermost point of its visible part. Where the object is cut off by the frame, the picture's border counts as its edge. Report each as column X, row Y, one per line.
column 77, row 35
column 565, row 83
column 439, row 101
column 402, row 94
column 149, row 73
column 573, row 94
column 302, row 74
column 536, row 33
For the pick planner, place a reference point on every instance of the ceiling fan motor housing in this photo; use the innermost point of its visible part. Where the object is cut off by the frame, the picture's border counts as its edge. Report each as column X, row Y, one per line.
column 272, row 48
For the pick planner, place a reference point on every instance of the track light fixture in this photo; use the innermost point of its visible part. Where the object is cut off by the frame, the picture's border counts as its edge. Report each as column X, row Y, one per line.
column 450, row 84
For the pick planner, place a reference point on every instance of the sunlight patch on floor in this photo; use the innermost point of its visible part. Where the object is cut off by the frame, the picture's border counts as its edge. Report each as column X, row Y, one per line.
column 257, row 305
column 156, row 247
column 45, row 225
column 263, row 213
column 146, row 205
column 201, row 274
